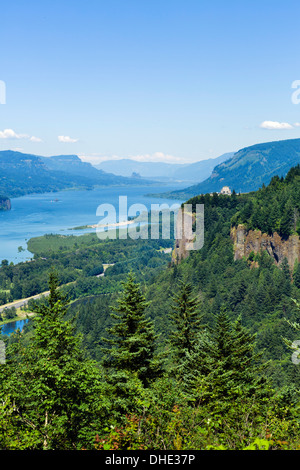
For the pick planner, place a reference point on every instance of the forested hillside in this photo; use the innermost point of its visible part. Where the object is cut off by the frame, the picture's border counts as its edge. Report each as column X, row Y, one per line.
column 190, row 172
column 188, row 355
column 274, row 208
column 249, row 168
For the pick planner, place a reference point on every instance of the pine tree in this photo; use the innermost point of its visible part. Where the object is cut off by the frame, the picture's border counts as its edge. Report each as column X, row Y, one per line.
column 222, row 338
column 296, row 276
column 287, row 219
column 186, row 321
column 132, row 337
column 245, row 362
column 274, row 217
column 286, row 285
column 225, row 361
column 55, row 391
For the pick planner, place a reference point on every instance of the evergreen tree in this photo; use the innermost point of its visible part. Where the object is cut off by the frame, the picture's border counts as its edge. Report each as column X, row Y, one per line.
column 132, row 337
column 296, row 276
column 286, row 285
column 224, row 360
column 274, row 217
column 51, row 393
column 287, row 219
column 185, row 319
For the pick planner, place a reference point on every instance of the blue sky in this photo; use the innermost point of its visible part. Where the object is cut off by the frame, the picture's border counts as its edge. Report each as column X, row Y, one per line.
column 152, row 80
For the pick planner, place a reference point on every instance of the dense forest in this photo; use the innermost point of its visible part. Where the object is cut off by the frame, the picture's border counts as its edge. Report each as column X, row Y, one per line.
column 195, row 354
column 249, row 169
column 81, row 274
column 274, row 208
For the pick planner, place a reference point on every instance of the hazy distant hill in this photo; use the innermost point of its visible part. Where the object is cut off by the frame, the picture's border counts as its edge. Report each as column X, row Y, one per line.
column 25, row 173
column 125, row 167
column 189, row 172
column 201, row 170
column 73, row 165
column 249, row 168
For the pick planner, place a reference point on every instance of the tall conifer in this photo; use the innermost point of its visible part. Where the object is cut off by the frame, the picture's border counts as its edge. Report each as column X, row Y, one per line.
column 186, row 321
column 132, row 337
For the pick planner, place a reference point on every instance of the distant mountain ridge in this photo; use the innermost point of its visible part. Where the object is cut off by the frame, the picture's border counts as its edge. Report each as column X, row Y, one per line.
column 22, row 173
column 190, row 172
column 248, row 169
column 71, row 164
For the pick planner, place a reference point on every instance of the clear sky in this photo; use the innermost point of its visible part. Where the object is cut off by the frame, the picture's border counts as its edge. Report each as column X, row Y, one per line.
column 153, row 80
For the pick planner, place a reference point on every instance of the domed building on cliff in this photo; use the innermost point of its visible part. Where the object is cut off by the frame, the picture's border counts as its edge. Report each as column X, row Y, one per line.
column 225, row 190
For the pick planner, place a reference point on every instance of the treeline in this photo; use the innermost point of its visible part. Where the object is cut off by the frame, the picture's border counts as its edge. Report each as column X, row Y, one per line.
column 194, row 355
column 274, row 208
column 206, row 390
column 80, row 260
column 256, row 290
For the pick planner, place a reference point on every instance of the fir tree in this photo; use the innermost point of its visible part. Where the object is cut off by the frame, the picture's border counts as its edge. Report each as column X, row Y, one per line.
column 132, row 337
column 287, row 219
column 55, row 391
column 185, row 319
column 225, row 361
column 296, row 276
column 286, row 285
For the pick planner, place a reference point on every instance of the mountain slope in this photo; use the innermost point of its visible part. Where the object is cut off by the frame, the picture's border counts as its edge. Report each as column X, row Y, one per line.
column 25, row 173
column 126, row 166
column 199, row 171
column 249, row 168
column 73, row 165
column 189, row 172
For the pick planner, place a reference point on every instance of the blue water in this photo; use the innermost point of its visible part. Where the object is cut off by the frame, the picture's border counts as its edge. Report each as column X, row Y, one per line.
column 9, row 328
column 39, row 214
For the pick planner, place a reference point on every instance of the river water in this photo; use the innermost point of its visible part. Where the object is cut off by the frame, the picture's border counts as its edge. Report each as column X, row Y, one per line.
column 39, row 214
column 9, row 328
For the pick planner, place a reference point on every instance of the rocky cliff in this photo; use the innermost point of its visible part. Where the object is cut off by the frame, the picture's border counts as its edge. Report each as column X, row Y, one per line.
column 5, row 204
column 245, row 242
column 180, row 250
column 186, row 238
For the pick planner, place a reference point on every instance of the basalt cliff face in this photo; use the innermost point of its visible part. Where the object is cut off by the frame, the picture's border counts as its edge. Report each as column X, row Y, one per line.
column 245, row 242
column 188, row 237
column 5, row 204
column 182, row 242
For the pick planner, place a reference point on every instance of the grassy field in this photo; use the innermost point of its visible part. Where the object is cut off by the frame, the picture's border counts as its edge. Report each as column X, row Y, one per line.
column 57, row 243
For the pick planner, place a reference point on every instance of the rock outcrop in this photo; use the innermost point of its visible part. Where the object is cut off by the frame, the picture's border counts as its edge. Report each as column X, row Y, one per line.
column 188, row 236
column 180, row 251
column 247, row 241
